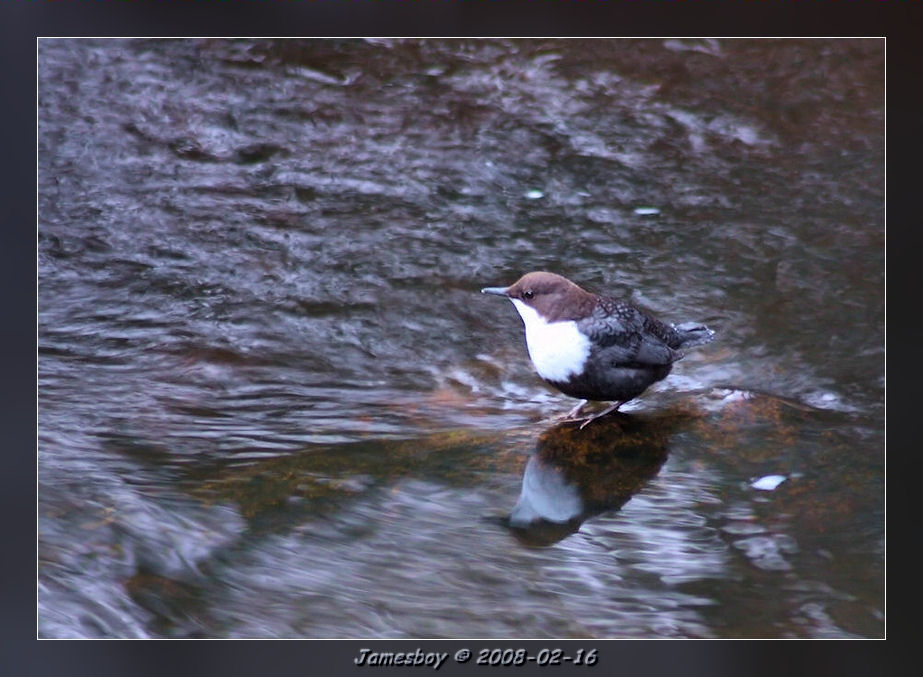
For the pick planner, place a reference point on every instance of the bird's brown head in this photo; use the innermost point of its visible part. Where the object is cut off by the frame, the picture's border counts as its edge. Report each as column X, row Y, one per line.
column 554, row 297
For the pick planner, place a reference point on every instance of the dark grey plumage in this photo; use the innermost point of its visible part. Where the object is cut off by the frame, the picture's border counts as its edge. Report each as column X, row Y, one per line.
column 631, row 350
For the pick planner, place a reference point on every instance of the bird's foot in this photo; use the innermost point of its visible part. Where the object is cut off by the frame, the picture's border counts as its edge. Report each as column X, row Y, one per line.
column 608, row 410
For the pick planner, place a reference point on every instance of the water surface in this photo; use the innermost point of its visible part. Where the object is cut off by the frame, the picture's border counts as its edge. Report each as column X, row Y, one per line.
column 273, row 404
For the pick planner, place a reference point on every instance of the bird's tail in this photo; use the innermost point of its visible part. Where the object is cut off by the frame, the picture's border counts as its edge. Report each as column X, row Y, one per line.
column 693, row 334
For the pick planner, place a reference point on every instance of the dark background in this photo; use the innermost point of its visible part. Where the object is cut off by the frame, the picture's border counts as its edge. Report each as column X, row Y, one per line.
column 22, row 22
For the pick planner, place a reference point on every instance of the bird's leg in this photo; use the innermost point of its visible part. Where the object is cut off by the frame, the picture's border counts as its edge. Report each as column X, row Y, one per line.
column 572, row 413
column 576, row 410
column 607, row 410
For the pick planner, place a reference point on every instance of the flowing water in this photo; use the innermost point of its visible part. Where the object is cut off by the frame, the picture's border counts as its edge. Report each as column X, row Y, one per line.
column 272, row 402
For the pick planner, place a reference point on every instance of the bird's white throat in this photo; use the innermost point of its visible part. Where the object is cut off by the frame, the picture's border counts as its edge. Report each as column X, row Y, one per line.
column 558, row 349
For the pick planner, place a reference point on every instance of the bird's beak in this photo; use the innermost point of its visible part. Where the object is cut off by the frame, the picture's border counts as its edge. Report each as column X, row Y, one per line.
column 496, row 291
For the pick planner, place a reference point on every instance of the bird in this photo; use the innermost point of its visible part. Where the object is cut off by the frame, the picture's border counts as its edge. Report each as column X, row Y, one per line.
column 593, row 347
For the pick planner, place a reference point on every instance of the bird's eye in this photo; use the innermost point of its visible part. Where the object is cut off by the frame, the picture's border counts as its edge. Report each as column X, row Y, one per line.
column 528, row 294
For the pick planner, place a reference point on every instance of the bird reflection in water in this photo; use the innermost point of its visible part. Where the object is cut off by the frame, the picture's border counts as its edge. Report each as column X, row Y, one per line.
column 576, row 474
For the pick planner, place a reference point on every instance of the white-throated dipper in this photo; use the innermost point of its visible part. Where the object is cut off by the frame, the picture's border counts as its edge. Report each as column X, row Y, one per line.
column 595, row 347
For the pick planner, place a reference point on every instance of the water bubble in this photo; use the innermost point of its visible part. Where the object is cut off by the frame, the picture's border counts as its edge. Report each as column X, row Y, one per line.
column 768, row 483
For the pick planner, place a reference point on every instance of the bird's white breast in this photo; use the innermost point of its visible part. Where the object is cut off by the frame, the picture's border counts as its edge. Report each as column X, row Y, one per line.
column 558, row 349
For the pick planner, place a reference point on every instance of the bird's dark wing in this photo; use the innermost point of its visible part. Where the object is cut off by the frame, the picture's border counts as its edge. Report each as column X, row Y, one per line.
column 627, row 336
